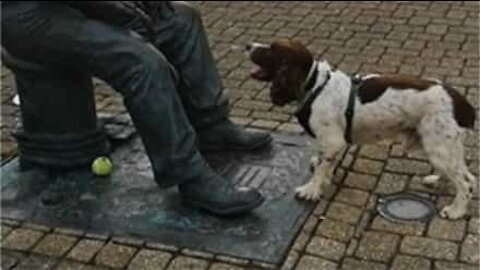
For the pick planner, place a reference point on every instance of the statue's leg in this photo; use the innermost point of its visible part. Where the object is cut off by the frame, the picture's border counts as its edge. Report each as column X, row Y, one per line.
column 181, row 37
column 55, row 34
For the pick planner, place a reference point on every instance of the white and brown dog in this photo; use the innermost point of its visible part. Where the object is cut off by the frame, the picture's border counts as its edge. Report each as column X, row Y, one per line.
column 337, row 110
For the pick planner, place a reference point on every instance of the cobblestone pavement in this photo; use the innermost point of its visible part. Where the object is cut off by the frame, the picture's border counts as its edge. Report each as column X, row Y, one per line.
column 432, row 39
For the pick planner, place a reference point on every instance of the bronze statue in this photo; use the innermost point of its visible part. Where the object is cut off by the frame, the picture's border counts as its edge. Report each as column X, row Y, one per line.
column 156, row 54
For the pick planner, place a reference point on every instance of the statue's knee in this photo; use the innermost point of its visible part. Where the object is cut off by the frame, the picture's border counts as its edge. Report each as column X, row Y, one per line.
column 140, row 67
column 148, row 60
column 187, row 9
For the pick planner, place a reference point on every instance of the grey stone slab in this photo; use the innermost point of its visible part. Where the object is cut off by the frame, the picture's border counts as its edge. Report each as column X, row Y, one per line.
column 129, row 204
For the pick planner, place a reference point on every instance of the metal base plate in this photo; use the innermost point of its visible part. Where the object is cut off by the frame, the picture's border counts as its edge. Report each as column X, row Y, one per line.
column 128, row 203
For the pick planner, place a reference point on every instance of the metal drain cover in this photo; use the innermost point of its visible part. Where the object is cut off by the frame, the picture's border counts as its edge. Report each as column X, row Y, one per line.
column 406, row 207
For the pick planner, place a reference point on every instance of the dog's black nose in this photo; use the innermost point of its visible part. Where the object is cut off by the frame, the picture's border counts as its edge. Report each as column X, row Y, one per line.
column 248, row 47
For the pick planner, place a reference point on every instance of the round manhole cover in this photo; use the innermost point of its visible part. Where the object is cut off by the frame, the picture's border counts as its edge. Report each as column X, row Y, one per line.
column 406, row 207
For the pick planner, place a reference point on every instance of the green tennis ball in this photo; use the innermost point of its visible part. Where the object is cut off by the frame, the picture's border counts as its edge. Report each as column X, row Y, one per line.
column 102, row 166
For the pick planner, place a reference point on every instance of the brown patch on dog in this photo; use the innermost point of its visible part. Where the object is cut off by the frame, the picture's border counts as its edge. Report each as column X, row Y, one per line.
column 373, row 88
column 286, row 64
column 463, row 111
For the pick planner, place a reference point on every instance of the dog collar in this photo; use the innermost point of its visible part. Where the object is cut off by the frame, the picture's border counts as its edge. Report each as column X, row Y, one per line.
column 304, row 110
column 311, row 79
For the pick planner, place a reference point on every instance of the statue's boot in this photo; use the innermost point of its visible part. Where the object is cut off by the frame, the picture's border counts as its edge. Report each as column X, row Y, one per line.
column 213, row 193
column 227, row 136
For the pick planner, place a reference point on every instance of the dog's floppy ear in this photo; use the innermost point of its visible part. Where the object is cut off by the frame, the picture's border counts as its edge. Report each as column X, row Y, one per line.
column 280, row 79
column 286, row 84
column 293, row 53
column 263, row 75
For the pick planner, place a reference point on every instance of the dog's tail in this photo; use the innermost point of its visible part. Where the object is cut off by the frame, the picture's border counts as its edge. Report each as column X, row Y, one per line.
column 463, row 111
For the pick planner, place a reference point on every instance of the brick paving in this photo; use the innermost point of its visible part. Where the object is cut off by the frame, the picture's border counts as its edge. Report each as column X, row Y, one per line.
column 431, row 39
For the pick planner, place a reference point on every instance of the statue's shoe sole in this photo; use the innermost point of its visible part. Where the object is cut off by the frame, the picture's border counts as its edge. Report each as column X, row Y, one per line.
column 233, row 211
column 235, row 147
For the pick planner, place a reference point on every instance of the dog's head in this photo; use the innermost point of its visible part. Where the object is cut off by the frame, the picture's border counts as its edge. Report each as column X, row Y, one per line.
column 285, row 63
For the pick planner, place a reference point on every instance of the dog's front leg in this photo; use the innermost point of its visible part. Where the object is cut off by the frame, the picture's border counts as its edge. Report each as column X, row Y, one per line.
column 332, row 145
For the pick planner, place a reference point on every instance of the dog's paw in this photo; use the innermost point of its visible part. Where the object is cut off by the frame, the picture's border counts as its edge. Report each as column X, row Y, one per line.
column 314, row 162
column 309, row 192
column 431, row 181
column 451, row 212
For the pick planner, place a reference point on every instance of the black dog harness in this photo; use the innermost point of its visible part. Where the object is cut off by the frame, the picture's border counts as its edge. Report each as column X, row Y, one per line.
column 304, row 110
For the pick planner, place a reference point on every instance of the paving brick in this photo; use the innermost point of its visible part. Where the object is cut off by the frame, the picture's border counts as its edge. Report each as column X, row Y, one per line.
column 367, row 166
column 344, row 212
column 150, row 260
column 326, row 248
column 310, row 225
column 9, row 149
column 443, row 265
column 240, row 112
column 469, row 251
column 362, row 225
column 265, row 124
column 348, row 160
column 336, row 230
column 474, row 225
column 361, row 181
column 391, row 183
column 437, row 29
column 181, row 262
column 414, row 44
column 402, row 262
column 69, row 265
column 456, row 14
column 352, row 247
column 301, row 241
column 353, row 264
column 430, row 248
column 377, row 246
column 10, row 259
column 446, row 229
column 311, row 263
column 353, row 197
column 35, row 262
column 21, row 239
column 289, row 127
column 413, row 229
column 253, row 105
column 291, row 260
column 418, row 21
column 85, row 250
column 55, row 245
column 115, row 256
column 376, row 151
column 408, row 166
column 241, row 120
